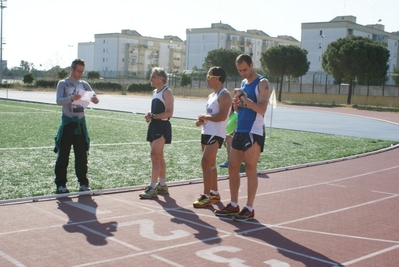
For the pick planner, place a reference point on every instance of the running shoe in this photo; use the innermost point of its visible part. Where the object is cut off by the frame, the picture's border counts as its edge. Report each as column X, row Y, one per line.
column 162, row 189
column 84, row 187
column 244, row 215
column 149, row 192
column 224, row 164
column 227, row 211
column 214, row 198
column 62, row 189
column 202, row 202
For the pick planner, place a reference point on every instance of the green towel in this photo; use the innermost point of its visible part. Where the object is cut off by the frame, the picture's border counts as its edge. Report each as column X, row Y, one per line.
column 80, row 130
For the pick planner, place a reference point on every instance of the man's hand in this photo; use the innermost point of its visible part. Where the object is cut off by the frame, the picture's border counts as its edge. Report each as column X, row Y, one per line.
column 95, row 100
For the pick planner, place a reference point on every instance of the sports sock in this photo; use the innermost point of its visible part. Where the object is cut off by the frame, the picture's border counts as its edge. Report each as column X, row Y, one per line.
column 214, row 192
column 233, row 204
column 152, row 184
column 162, row 181
column 249, row 208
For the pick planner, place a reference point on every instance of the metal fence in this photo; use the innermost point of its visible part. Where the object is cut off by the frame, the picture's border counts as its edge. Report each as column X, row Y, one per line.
column 313, row 82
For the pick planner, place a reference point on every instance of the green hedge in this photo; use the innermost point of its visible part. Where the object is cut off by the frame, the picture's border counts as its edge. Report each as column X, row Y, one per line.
column 46, row 84
column 140, row 87
column 106, row 86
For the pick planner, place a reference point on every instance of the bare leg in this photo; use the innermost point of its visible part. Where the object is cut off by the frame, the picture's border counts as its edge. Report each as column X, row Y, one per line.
column 157, row 159
column 208, row 164
column 251, row 157
column 234, row 173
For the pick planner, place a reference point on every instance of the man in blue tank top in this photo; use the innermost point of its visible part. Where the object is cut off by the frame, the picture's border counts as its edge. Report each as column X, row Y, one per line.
column 248, row 141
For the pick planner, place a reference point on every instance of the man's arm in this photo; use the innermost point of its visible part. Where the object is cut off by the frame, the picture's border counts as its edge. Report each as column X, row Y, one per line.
column 259, row 107
column 169, row 105
column 224, row 108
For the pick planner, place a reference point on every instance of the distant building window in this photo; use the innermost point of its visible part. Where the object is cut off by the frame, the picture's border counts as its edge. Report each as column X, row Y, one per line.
column 321, row 32
column 350, row 31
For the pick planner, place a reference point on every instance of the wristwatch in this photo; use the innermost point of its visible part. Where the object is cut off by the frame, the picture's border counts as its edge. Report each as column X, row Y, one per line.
column 152, row 115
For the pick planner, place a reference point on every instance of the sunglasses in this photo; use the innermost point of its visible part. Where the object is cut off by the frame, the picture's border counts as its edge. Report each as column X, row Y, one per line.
column 208, row 77
column 78, row 71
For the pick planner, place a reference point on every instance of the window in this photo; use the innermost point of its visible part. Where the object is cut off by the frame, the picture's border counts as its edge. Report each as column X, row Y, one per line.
column 321, row 32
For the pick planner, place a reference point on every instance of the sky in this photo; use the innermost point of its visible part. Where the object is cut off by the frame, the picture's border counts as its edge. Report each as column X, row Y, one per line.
column 47, row 32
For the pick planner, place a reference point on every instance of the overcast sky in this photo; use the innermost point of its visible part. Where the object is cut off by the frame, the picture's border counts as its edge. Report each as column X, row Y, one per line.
column 46, row 32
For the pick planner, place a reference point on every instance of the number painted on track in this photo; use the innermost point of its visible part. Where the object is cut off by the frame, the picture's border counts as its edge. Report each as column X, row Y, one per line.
column 210, row 255
column 147, row 230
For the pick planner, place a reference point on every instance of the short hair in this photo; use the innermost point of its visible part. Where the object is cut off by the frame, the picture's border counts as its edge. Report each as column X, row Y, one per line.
column 244, row 58
column 78, row 61
column 161, row 73
column 218, row 71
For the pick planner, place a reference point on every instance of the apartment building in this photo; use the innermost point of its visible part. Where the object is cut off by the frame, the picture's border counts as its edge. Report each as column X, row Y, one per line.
column 117, row 54
column 200, row 41
column 316, row 36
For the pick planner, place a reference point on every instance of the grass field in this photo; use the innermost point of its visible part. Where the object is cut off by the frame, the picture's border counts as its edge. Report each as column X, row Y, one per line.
column 119, row 154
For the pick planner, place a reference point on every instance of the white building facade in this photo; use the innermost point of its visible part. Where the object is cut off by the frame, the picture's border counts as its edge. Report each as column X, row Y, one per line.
column 200, row 41
column 120, row 54
column 316, row 36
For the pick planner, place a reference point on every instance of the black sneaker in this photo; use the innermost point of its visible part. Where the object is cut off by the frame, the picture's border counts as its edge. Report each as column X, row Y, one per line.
column 62, row 190
column 244, row 215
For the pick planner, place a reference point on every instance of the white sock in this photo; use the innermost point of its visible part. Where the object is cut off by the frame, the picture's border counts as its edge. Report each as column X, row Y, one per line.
column 152, row 184
column 162, row 181
column 214, row 192
column 206, row 195
column 249, row 208
column 233, row 204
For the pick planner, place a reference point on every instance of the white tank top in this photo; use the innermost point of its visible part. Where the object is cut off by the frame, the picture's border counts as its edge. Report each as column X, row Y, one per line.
column 212, row 107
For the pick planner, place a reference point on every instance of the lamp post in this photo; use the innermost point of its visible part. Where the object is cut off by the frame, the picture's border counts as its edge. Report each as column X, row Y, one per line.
column 321, row 55
column 2, row 6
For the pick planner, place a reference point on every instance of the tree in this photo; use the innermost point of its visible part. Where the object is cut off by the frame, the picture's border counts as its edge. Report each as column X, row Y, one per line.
column 28, row 78
column 224, row 58
column 185, row 80
column 62, row 74
column 355, row 57
column 287, row 60
column 26, row 66
column 395, row 75
column 93, row 75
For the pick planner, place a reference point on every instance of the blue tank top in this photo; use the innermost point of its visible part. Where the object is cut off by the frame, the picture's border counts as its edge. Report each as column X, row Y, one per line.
column 250, row 121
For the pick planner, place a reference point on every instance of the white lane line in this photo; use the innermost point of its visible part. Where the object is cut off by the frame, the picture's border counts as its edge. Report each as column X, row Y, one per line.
column 368, row 256
column 337, row 211
column 261, row 242
column 91, row 145
column 11, row 259
column 87, row 208
column 110, row 238
column 167, row 261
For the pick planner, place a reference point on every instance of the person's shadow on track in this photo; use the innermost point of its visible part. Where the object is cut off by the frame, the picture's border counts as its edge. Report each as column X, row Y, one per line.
column 83, row 219
column 205, row 232
column 253, row 229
